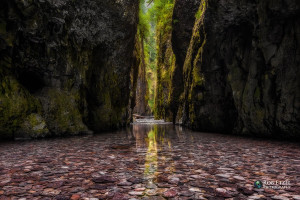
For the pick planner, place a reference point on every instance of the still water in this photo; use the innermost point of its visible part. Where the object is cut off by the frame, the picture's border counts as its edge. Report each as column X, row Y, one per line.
column 150, row 161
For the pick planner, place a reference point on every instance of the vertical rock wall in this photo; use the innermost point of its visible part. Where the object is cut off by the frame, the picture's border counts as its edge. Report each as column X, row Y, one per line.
column 141, row 105
column 241, row 68
column 182, row 28
column 173, row 38
column 165, row 66
column 65, row 65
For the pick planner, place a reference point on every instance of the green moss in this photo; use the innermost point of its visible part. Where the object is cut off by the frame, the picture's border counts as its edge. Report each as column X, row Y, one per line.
column 34, row 126
column 107, row 106
column 62, row 112
column 165, row 69
column 15, row 105
column 198, row 78
column 175, row 21
column 192, row 114
column 201, row 10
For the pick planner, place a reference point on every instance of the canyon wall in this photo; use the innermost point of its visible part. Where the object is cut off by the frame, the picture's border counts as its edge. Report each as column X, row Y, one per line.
column 173, row 38
column 165, row 66
column 184, row 16
column 68, row 67
column 241, row 69
column 65, row 66
column 165, row 63
column 141, row 97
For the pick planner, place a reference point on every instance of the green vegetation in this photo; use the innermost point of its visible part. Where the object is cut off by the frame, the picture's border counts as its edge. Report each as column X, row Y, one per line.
column 34, row 126
column 154, row 30
column 63, row 116
column 161, row 13
column 147, row 37
column 201, row 10
column 163, row 10
column 194, row 59
column 15, row 105
column 144, row 25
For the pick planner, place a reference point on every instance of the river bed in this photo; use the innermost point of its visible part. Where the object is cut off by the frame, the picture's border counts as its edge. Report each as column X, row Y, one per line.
column 150, row 161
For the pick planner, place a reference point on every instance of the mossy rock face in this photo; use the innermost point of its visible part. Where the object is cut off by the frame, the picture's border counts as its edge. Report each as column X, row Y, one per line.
column 141, row 89
column 242, row 79
column 61, row 112
column 57, row 60
column 165, row 71
column 34, row 126
column 15, row 105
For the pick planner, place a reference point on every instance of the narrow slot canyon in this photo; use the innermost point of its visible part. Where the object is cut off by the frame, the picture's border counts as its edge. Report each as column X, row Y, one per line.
column 149, row 99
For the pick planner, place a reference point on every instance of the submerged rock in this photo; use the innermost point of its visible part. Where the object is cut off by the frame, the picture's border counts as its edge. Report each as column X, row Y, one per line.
column 170, row 193
column 222, row 193
column 87, row 166
column 104, row 179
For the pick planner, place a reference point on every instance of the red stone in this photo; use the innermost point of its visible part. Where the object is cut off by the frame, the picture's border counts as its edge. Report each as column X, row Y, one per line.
column 170, row 193
column 75, row 197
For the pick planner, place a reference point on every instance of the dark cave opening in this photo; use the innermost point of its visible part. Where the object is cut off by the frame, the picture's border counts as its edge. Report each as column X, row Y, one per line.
column 32, row 81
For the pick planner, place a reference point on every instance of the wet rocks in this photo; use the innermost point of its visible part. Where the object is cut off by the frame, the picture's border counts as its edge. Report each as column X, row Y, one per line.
column 256, row 196
column 223, row 175
column 170, row 193
column 162, row 179
column 51, row 192
column 193, row 189
column 152, row 192
column 62, row 197
column 222, row 193
column 135, row 180
column 136, row 193
column 173, row 180
column 296, row 197
column 120, row 196
column 245, row 190
column 87, row 167
column 104, row 179
column 186, row 193
column 239, row 178
column 75, row 197
column 125, row 183
column 278, row 197
column 56, row 185
column 151, row 186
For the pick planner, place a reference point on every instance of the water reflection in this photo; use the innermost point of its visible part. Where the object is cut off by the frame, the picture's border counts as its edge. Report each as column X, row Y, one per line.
column 151, row 160
column 157, row 147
